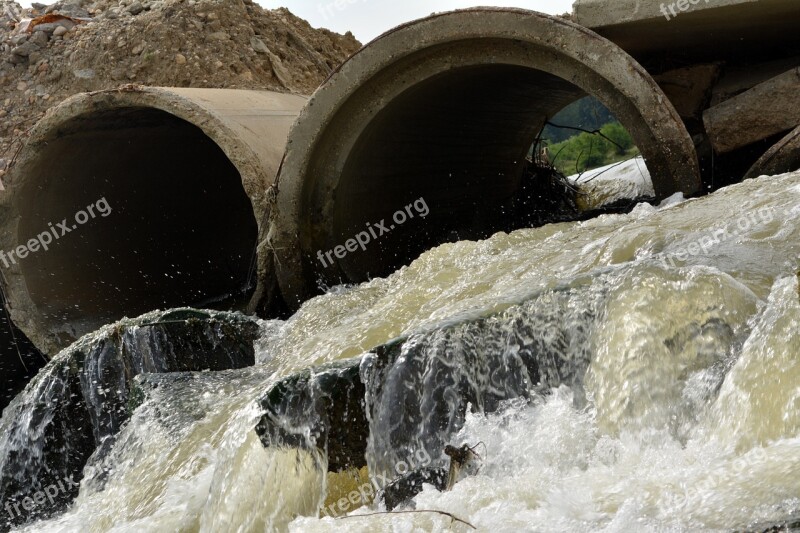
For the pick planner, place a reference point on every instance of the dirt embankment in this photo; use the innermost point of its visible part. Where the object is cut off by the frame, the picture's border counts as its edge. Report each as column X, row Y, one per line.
column 48, row 53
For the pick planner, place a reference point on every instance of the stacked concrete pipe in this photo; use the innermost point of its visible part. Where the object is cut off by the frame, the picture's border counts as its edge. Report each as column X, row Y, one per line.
column 446, row 108
column 782, row 157
column 443, row 109
column 186, row 176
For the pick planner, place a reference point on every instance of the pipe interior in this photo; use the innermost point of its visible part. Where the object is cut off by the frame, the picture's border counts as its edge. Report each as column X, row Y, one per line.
column 459, row 140
column 180, row 231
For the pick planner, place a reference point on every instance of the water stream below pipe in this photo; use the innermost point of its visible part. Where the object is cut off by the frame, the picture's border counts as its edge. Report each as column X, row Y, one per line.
column 673, row 403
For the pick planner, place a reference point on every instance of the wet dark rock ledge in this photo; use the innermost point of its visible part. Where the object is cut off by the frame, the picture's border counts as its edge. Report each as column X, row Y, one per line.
column 83, row 397
column 411, row 395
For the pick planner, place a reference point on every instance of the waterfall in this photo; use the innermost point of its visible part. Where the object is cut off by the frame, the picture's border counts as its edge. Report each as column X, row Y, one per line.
column 632, row 372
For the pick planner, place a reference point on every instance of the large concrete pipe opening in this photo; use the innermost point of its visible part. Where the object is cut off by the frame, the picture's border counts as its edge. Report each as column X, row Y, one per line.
column 139, row 200
column 445, row 109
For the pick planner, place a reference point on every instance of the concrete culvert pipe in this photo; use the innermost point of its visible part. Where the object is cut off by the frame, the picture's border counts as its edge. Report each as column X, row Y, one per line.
column 445, row 109
column 783, row 157
column 137, row 199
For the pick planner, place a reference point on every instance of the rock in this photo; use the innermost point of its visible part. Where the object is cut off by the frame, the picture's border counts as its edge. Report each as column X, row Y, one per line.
column 329, row 398
column 60, row 30
column 281, row 73
column 21, row 86
column 25, row 49
column 436, row 377
column 3, row 163
column 22, row 26
column 258, row 45
column 74, row 10
column 39, row 38
column 82, row 398
column 84, row 73
column 12, row 11
column 51, row 27
column 19, row 39
column 180, row 59
column 219, row 35
column 53, row 76
column 135, row 8
column 402, row 490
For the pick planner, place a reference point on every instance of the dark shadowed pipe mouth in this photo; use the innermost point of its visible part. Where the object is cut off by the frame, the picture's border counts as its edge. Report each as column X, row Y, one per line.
column 125, row 202
column 446, row 109
column 164, row 208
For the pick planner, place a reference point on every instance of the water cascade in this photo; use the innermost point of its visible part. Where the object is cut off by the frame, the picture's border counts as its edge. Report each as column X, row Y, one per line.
column 629, row 372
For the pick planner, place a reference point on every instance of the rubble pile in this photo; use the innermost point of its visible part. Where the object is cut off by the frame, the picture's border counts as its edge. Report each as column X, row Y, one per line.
column 48, row 53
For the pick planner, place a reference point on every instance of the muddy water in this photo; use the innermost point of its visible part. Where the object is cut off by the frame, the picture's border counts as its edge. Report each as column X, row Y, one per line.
column 685, row 417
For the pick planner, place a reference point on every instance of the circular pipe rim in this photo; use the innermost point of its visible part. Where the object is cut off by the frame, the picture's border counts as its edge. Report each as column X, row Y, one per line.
column 674, row 161
column 782, row 157
column 254, row 178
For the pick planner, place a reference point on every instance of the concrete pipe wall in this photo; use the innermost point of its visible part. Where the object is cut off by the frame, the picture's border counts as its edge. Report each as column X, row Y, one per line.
column 445, row 109
column 149, row 197
column 783, row 157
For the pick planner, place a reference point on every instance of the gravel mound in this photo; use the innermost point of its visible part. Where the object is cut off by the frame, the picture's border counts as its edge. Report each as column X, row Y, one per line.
column 48, row 53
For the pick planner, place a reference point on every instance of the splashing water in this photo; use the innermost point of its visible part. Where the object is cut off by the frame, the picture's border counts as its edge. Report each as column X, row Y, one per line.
column 671, row 405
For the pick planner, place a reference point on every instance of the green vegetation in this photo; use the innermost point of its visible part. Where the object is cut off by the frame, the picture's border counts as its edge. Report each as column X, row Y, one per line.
column 586, row 151
column 572, row 151
column 587, row 114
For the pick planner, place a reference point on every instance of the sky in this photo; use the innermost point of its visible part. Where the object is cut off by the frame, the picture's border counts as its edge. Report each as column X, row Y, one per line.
column 369, row 18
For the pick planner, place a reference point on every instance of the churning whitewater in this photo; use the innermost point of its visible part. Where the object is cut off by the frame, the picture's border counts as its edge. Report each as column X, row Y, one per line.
column 668, row 397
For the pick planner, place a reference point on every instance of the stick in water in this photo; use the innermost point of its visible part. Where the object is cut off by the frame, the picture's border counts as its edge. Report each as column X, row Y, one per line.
column 452, row 516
